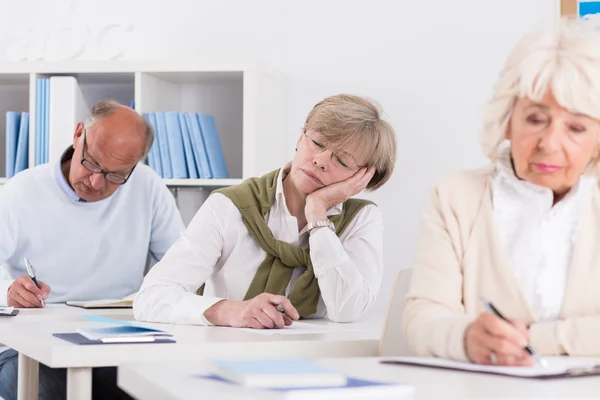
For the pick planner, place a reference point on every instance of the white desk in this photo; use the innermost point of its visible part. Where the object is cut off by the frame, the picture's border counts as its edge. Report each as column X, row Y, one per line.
column 62, row 312
column 35, row 344
column 177, row 382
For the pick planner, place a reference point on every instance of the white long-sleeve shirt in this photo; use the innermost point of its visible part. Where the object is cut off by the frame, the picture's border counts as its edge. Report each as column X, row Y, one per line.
column 538, row 236
column 217, row 249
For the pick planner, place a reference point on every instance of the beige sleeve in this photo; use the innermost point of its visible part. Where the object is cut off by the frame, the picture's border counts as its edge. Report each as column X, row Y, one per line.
column 434, row 317
column 575, row 336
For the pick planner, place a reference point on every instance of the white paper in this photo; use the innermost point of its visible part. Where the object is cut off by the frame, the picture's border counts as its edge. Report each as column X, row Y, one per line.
column 556, row 365
column 299, row 328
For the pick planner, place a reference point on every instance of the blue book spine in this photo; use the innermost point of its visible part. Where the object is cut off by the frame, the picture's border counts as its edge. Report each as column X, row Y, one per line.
column 176, row 149
column 198, row 148
column 187, row 145
column 13, row 120
column 38, row 121
column 46, row 120
column 22, row 159
column 163, row 141
column 213, row 146
column 153, row 154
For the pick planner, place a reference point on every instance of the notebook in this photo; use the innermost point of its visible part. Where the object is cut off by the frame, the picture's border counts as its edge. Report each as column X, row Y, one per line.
column 8, row 312
column 78, row 339
column 120, row 331
column 353, row 389
column 285, row 373
column 102, row 303
column 126, row 302
column 558, row 367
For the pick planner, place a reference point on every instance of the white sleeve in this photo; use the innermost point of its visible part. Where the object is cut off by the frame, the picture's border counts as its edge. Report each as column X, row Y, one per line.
column 350, row 272
column 168, row 291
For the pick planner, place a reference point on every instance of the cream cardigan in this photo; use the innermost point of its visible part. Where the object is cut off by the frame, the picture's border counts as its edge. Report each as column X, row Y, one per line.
column 460, row 258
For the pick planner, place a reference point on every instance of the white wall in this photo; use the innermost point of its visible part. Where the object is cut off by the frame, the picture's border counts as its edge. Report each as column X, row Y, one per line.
column 431, row 64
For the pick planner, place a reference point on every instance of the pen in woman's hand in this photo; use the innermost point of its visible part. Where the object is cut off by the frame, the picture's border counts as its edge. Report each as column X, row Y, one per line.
column 31, row 274
column 490, row 307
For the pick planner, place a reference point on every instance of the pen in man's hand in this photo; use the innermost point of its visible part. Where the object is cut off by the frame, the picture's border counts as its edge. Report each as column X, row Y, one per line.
column 31, row 274
column 490, row 307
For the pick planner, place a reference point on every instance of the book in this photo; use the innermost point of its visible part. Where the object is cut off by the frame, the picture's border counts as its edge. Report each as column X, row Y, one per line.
column 110, row 303
column 8, row 312
column 126, row 302
column 13, row 121
column 121, row 331
column 353, row 389
column 282, row 373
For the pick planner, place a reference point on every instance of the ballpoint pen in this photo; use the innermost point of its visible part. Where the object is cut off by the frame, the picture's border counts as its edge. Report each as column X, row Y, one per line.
column 490, row 307
column 31, row 274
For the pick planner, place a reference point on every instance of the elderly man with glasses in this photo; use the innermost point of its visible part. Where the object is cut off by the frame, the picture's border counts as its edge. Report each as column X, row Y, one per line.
column 86, row 223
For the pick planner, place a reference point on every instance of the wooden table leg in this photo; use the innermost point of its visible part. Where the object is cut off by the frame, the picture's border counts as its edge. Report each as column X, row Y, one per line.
column 28, row 378
column 79, row 384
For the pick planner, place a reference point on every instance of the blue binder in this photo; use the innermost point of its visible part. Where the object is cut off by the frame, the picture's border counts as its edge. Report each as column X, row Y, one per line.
column 176, row 149
column 13, row 120
column 213, row 146
column 22, row 158
column 187, row 146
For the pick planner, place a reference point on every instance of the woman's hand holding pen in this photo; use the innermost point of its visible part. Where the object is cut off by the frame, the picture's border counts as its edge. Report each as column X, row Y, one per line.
column 261, row 312
column 491, row 340
column 23, row 293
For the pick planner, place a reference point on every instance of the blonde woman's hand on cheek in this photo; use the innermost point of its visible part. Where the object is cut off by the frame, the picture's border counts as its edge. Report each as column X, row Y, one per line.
column 320, row 200
column 265, row 311
column 489, row 340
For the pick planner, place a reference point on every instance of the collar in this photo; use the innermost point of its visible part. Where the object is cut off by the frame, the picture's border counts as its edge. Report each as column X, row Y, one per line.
column 280, row 196
column 61, row 181
column 504, row 172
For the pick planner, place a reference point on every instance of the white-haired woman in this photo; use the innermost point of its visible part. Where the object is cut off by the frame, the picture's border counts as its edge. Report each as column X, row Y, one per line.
column 525, row 233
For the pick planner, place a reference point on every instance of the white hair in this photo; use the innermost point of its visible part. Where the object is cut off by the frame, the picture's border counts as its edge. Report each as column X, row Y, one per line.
column 564, row 60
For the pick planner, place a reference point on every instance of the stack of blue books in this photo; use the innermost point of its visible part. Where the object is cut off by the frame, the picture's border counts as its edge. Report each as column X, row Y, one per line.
column 42, row 125
column 17, row 142
column 186, row 145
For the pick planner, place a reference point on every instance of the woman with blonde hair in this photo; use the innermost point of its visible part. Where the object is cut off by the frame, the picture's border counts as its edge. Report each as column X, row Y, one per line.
column 524, row 233
column 291, row 243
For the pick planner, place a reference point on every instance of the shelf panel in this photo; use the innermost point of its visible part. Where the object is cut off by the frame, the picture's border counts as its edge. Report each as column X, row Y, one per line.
column 202, row 182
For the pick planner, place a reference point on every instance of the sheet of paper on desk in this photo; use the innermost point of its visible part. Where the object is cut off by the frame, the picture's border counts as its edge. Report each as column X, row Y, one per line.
column 557, row 366
column 300, row 328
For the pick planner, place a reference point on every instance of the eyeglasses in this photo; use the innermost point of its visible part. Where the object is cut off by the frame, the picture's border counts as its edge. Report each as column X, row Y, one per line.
column 112, row 177
column 341, row 161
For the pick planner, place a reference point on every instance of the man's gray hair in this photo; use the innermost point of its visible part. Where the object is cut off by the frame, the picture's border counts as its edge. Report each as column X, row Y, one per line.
column 104, row 108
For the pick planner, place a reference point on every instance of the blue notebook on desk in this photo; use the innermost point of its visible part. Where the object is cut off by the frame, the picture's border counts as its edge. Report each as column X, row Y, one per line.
column 77, row 338
column 353, row 389
column 120, row 333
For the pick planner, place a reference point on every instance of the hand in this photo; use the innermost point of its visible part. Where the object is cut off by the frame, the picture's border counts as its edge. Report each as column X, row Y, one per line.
column 259, row 313
column 492, row 335
column 23, row 293
column 320, row 200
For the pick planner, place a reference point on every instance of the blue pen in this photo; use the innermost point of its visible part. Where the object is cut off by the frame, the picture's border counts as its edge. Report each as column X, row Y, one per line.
column 31, row 274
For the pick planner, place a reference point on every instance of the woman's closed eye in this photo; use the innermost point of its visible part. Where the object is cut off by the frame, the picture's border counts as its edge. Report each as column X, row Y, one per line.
column 319, row 145
column 536, row 120
column 577, row 128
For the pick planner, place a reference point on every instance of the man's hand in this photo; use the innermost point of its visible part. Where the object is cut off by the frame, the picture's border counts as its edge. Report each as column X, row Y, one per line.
column 24, row 294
